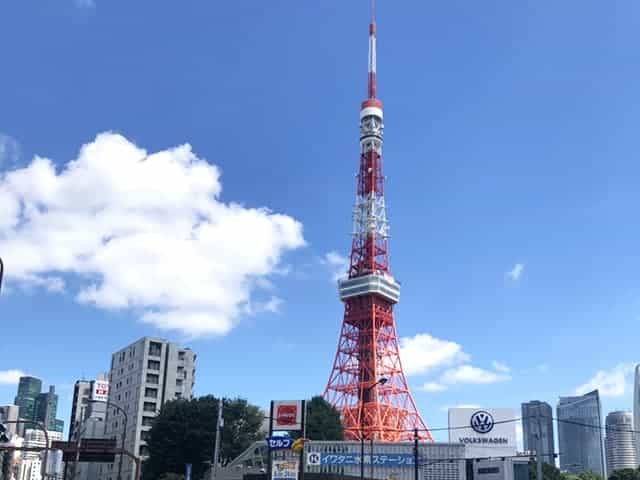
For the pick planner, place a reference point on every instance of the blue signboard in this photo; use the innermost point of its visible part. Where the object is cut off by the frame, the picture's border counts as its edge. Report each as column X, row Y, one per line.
column 279, row 443
column 379, row 460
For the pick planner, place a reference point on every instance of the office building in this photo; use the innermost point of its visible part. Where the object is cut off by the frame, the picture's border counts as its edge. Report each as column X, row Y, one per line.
column 9, row 413
column 537, row 419
column 28, row 390
column 143, row 376
column 580, row 446
column 46, row 409
column 89, row 401
column 87, row 421
column 79, row 405
column 620, row 444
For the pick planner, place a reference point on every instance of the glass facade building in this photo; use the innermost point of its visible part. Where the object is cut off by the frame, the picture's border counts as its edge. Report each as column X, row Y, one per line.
column 580, row 434
column 47, row 409
column 532, row 426
column 28, row 390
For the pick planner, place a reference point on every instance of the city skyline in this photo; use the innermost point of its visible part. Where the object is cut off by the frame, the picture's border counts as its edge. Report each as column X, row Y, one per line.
column 509, row 180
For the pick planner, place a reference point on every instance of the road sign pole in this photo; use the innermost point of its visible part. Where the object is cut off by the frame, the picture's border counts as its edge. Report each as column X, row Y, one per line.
column 268, row 446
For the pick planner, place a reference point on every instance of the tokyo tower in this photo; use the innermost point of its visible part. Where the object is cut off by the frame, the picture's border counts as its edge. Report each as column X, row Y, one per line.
column 367, row 384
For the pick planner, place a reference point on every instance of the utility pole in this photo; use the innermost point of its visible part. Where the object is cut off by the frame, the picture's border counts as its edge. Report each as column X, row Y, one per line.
column 539, row 445
column 216, row 448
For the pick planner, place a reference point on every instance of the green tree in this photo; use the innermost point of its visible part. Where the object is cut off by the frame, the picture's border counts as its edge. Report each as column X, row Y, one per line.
column 589, row 475
column 625, row 474
column 171, row 476
column 549, row 472
column 323, row 420
column 184, row 432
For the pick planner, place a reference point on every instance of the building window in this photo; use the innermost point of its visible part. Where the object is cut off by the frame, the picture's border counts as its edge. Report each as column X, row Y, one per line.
column 151, row 392
column 145, row 435
column 155, row 349
column 153, row 378
column 178, row 382
column 181, row 354
column 147, row 421
column 178, row 395
column 153, row 364
column 149, row 407
column 144, row 451
column 488, row 470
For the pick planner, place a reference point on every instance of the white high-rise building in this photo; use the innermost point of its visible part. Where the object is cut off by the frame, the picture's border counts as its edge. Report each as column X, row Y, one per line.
column 143, row 376
column 636, row 409
column 31, row 466
column 620, row 444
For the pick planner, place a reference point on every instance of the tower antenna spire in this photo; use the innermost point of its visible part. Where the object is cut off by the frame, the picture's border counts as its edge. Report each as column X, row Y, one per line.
column 372, row 50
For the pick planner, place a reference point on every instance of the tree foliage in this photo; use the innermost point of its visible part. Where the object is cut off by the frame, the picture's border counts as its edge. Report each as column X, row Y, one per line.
column 184, row 432
column 323, row 420
column 589, row 475
column 549, row 472
column 625, row 474
column 171, row 476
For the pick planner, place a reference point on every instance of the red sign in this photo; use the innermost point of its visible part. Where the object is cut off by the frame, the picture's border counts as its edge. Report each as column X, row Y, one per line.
column 287, row 415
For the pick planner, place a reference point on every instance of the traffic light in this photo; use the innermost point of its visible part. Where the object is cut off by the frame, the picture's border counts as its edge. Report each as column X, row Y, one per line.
column 4, row 434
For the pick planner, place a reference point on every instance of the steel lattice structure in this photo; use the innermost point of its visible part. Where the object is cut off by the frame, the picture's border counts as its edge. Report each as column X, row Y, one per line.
column 368, row 348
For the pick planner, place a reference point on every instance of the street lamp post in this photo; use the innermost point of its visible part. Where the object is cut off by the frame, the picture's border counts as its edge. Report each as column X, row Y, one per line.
column 382, row 381
column 124, row 431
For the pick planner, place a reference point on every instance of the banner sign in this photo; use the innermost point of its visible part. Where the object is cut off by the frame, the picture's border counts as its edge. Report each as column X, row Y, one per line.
column 380, row 459
column 287, row 415
column 279, row 443
column 100, row 391
column 285, row 470
column 488, row 432
column 187, row 475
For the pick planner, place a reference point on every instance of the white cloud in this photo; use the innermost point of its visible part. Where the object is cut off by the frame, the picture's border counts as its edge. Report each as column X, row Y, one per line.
column 473, row 375
column 10, row 377
column 337, row 264
column 433, row 387
column 515, row 273
column 500, row 367
column 9, row 150
column 423, row 353
column 610, row 383
column 143, row 232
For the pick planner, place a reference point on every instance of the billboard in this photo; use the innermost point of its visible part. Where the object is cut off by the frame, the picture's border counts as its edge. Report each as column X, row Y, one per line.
column 100, row 390
column 287, row 415
column 485, row 432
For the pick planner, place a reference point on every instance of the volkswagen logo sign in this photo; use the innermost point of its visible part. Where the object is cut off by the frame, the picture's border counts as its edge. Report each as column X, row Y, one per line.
column 482, row 422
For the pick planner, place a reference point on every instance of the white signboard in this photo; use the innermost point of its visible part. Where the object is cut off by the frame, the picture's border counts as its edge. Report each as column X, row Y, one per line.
column 100, row 391
column 287, row 415
column 486, row 432
column 285, row 470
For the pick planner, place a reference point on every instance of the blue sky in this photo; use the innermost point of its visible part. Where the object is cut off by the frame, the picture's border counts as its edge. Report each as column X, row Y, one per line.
column 510, row 140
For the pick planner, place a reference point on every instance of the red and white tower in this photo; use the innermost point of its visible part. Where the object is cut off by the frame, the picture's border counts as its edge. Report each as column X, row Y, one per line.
column 367, row 384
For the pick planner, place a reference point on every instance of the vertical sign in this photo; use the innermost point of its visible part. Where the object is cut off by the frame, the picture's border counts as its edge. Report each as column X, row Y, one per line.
column 187, row 474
